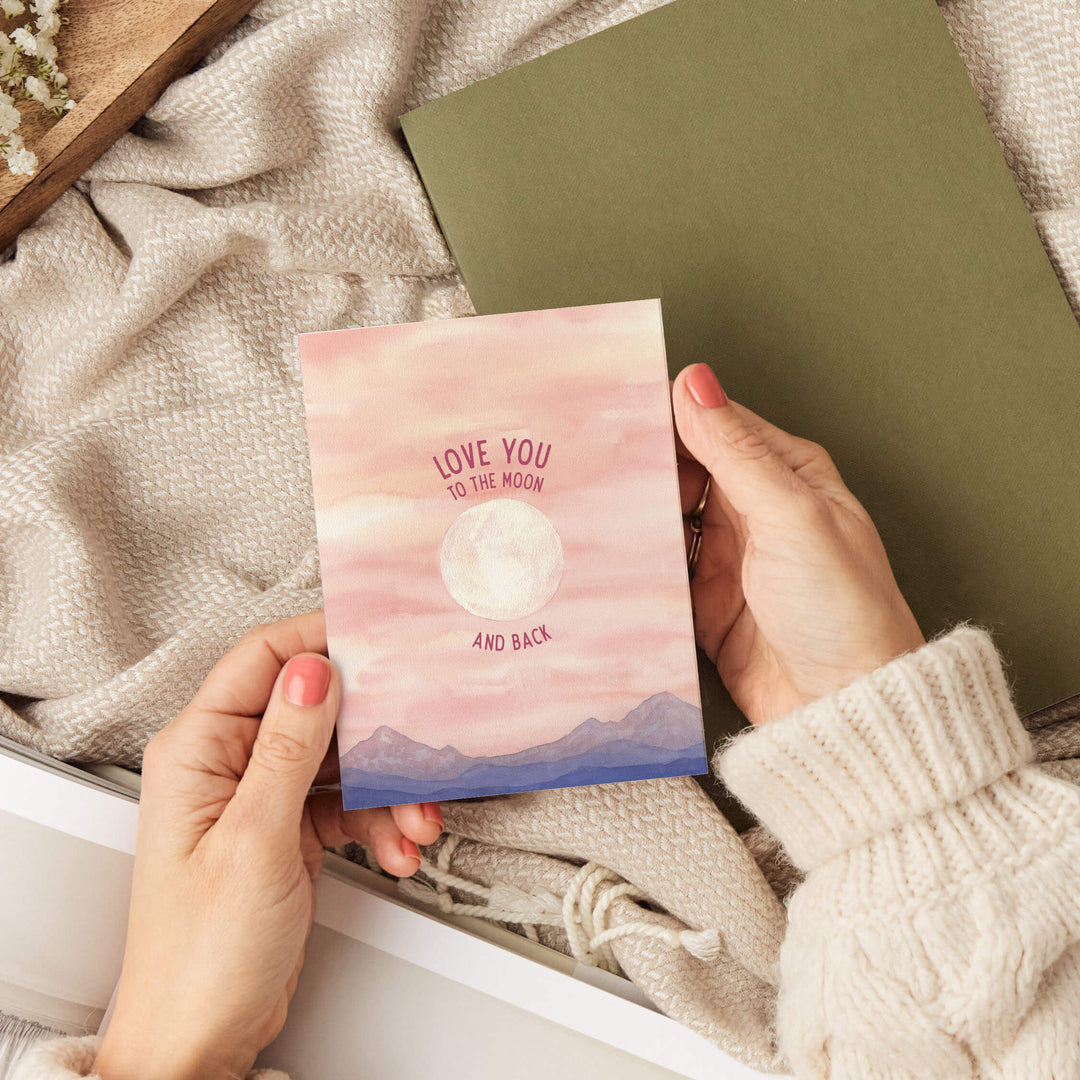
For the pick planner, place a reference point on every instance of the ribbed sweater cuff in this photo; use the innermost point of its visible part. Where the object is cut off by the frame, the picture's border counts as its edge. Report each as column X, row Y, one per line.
column 73, row 1059
column 923, row 731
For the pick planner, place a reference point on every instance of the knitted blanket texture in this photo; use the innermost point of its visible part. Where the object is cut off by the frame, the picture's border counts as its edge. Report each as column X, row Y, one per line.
column 154, row 489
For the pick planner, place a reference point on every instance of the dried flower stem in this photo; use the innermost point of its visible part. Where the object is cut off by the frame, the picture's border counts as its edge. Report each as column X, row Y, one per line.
column 29, row 72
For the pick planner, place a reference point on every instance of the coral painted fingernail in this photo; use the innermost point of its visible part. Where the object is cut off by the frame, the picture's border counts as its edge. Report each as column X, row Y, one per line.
column 409, row 849
column 307, row 678
column 433, row 813
column 705, row 388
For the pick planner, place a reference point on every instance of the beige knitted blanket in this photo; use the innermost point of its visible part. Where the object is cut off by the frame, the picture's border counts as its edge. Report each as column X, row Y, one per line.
column 154, row 489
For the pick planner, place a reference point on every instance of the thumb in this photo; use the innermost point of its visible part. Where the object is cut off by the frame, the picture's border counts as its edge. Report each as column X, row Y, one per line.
column 292, row 741
column 724, row 439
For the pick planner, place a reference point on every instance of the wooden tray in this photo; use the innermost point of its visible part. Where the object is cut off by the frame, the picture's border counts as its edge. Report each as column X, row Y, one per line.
column 118, row 55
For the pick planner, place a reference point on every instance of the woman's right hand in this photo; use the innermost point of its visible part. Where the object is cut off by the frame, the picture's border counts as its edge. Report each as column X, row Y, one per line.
column 793, row 593
column 230, row 845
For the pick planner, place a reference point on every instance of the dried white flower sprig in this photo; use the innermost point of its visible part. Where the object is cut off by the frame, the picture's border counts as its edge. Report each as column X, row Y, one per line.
column 29, row 72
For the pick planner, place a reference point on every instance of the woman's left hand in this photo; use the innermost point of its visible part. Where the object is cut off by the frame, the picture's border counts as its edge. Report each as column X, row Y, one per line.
column 230, row 843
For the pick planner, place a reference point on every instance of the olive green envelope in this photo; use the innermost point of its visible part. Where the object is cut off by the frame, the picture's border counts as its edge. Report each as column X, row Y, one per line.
column 812, row 188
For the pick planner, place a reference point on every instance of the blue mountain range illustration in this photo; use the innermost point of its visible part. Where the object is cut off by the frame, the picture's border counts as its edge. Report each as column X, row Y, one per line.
column 660, row 737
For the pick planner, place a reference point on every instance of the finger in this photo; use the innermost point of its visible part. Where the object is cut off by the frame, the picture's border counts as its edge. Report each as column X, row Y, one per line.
column 422, row 822
column 375, row 829
column 755, row 479
column 215, row 733
column 805, row 458
column 330, row 769
column 692, row 477
column 681, row 453
column 240, row 683
column 291, row 744
column 809, row 461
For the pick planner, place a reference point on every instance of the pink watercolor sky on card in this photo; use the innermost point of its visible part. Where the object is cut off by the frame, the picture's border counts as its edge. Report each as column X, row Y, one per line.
column 591, row 384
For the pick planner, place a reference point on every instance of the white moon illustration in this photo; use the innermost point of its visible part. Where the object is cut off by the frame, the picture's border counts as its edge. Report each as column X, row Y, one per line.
column 501, row 559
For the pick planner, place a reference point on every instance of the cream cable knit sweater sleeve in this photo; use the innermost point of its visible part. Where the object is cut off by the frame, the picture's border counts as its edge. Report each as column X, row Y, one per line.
column 937, row 933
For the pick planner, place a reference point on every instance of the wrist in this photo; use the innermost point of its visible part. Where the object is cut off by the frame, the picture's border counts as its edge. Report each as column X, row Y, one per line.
column 138, row 1048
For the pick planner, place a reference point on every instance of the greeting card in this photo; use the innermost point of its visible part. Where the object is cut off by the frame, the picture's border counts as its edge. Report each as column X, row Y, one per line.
column 502, row 553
